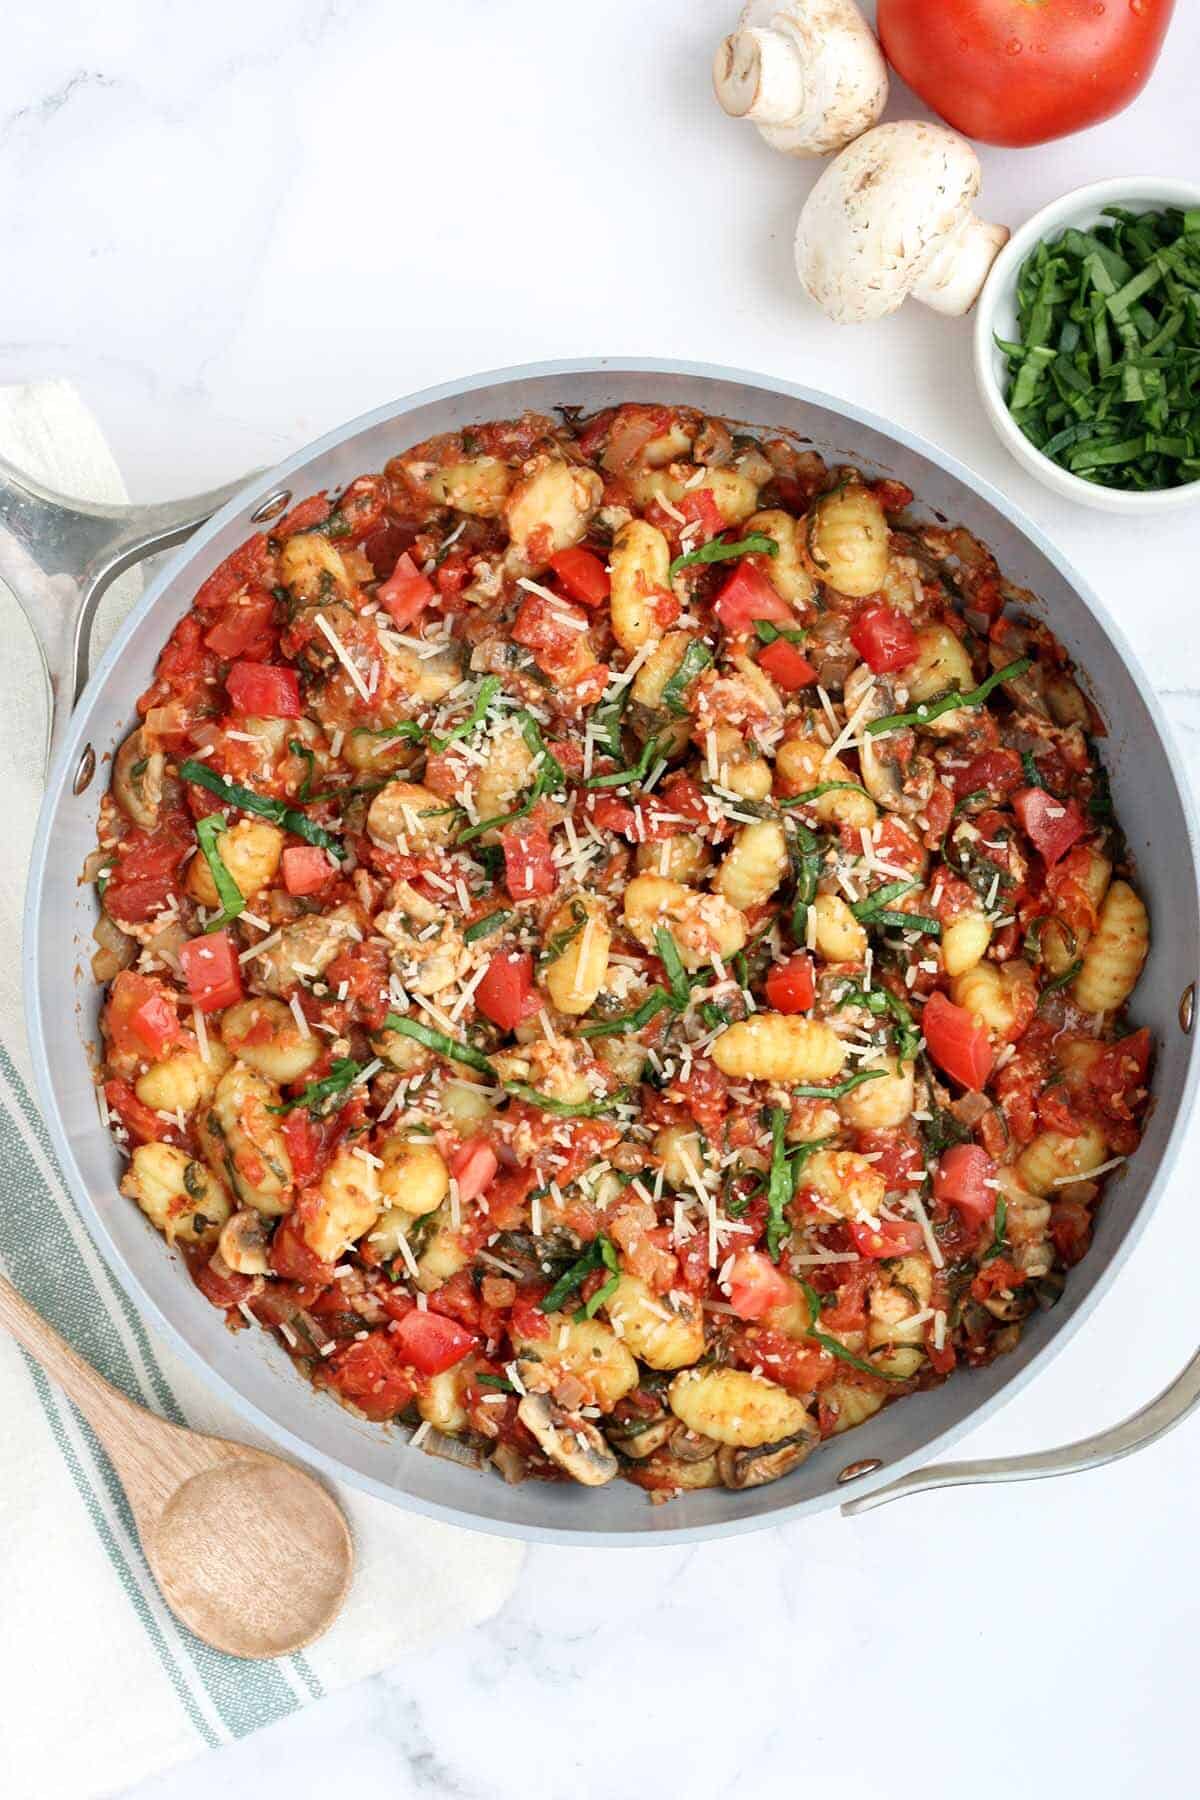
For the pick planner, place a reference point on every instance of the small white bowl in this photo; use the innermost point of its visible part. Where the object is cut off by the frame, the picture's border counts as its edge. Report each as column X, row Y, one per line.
column 996, row 316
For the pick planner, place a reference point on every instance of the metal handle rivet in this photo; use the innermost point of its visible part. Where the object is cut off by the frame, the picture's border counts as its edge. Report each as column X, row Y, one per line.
column 1187, row 1009
column 853, row 1471
column 85, row 768
column 271, row 507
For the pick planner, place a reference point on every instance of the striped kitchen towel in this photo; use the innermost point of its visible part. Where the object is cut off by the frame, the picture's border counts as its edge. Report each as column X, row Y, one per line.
column 101, row 1686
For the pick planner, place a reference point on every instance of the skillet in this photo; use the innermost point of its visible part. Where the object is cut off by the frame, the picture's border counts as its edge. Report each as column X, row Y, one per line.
column 59, row 555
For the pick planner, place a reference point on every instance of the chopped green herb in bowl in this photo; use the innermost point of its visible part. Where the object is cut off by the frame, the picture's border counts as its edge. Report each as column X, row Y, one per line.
column 1088, row 345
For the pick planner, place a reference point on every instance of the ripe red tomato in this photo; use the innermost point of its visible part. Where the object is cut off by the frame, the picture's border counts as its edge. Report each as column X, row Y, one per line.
column 891, row 1237
column 884, row 638
column 996, row 773
column 529, row 869
column 245, row 628
column 583, row 576
column 961, row 1178
column 506, row 995
column 747, row 596
column 1013, row 73
column 266, row 690
column 211, row 969
column 306, row 869
column 406, row 592
column 790, row 984
column 371, row 1372
column 473, row 1166
column 787, row 667
column 431, row 1342
column 700, row 508
column 957, row 1042
column 140, row 1015
column 755, row 1285
column 1051, row 825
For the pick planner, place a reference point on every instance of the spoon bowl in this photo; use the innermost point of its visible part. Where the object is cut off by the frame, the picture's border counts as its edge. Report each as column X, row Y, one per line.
column 249, row 1552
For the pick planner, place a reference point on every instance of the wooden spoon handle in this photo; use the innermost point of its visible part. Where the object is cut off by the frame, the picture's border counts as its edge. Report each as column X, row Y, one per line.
column 107, row 1411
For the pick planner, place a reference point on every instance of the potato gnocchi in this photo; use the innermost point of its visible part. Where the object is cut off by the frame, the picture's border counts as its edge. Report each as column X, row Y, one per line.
column 617, row 945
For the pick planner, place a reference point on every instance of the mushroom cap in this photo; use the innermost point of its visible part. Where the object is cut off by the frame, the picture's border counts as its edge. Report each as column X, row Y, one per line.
column 881, row 213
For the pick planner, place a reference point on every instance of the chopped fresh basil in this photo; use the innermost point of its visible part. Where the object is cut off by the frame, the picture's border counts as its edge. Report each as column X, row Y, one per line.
column 600, row 1253
column 228, row 892
column 440, row 1043
column 755, row 543
column 924, row 715
column 823, row 787
column 881, row 899
column 696, row 658
column 486, row 926
column 998, row 1245
column 1061, row 981
column 501, row 1383
column 566, row 1109
column 247, row 801
column 672, row 962
column 781, row 1184
column 767, row 633
column 831, row 1344
column 489, row 687
column 316, row 1097
column 641, row 1016
column 628, row 777
column 840, row 1088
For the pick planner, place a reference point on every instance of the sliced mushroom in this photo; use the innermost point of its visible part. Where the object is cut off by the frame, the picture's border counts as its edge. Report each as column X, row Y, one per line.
column 1028, row 690
column 571, row 1442
column 690, row 1446
column 902, row 789
column 244, row 1243
column 137, row 782
column 664, row 1473
column 740, row 1468
column 641, row 1433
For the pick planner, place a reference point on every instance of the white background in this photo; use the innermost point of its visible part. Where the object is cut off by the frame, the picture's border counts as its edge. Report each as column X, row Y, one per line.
column 236, row 224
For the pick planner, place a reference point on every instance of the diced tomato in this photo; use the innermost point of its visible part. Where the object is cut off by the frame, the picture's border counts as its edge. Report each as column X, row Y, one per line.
column 996, row 773
column 144, row 1125
column 1070, row 1229
column 252, row 563
column 790, row 984
column 961, row 1179
column 506, row 995
column 245, row 628
column 700, row 508
column 884, row 638
column 140, row 1017
column 1051, row 825
column 363, row 504
column 557, row 633
column 583, row 576
column 957, row 1042
column 893, row 496
column 147, row 871
column 611, row 814
column 891, row 1237
column 526, row 1318
column 211, row 970
column 431, row 1342
column 529, row 870
column 291, row 1258
column 473, row 1165
column 1000, row 1273
column 306, row 868
column 267, row 690
column 786, row 666
column 303, row 516
column 372, row 1374
column 1116, row 1083
column 896, row 1153
column 406, row 592
column 755, row 1285
column 303, row 1142
column 747, row 596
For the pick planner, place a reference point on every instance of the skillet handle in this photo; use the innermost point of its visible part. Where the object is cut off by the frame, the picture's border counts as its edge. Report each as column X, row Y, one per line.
column 1170, row 1408
column 60, row 555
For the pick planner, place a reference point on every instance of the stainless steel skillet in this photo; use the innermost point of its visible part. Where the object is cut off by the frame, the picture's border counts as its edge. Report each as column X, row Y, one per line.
column 59, row 555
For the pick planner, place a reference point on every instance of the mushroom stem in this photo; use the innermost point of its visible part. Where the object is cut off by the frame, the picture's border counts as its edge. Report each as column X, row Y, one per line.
column 759, row 75
column 952, row 280
column 808, row 73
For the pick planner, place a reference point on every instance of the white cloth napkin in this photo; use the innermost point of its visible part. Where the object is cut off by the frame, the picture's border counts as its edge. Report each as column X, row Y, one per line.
column 101, row 1687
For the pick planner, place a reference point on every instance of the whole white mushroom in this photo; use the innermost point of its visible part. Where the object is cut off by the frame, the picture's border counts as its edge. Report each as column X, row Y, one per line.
column 808, row 73
column 891, row 217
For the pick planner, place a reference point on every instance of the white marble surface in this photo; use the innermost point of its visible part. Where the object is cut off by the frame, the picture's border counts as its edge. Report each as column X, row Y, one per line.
column 236, row 224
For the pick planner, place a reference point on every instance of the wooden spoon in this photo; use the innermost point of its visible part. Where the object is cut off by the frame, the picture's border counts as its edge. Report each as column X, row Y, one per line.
column 250, row 1552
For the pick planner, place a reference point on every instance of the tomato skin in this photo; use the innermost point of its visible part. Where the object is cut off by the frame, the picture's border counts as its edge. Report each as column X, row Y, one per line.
column 306, row 869
column 291, row 1258
column 957, row 1042
column 211, row 970
column 529, row 869
column 786, row 666
column 755, row 1285
column 506, row 995
column 790, row 987
column 884, row 638
column 373, row 1375
column 891, row 1237
column 583, row 576
column 245, row 628
column 139, row 1017
column 142, row 1123
column 406, row 592
column 998, row 773
column 747, row 596
column 431, row 1342
column 1008, row 72
column 473, row 1166
column 267, row 690
column 700, row 508
column 960, row 1180
column 1051, row 825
